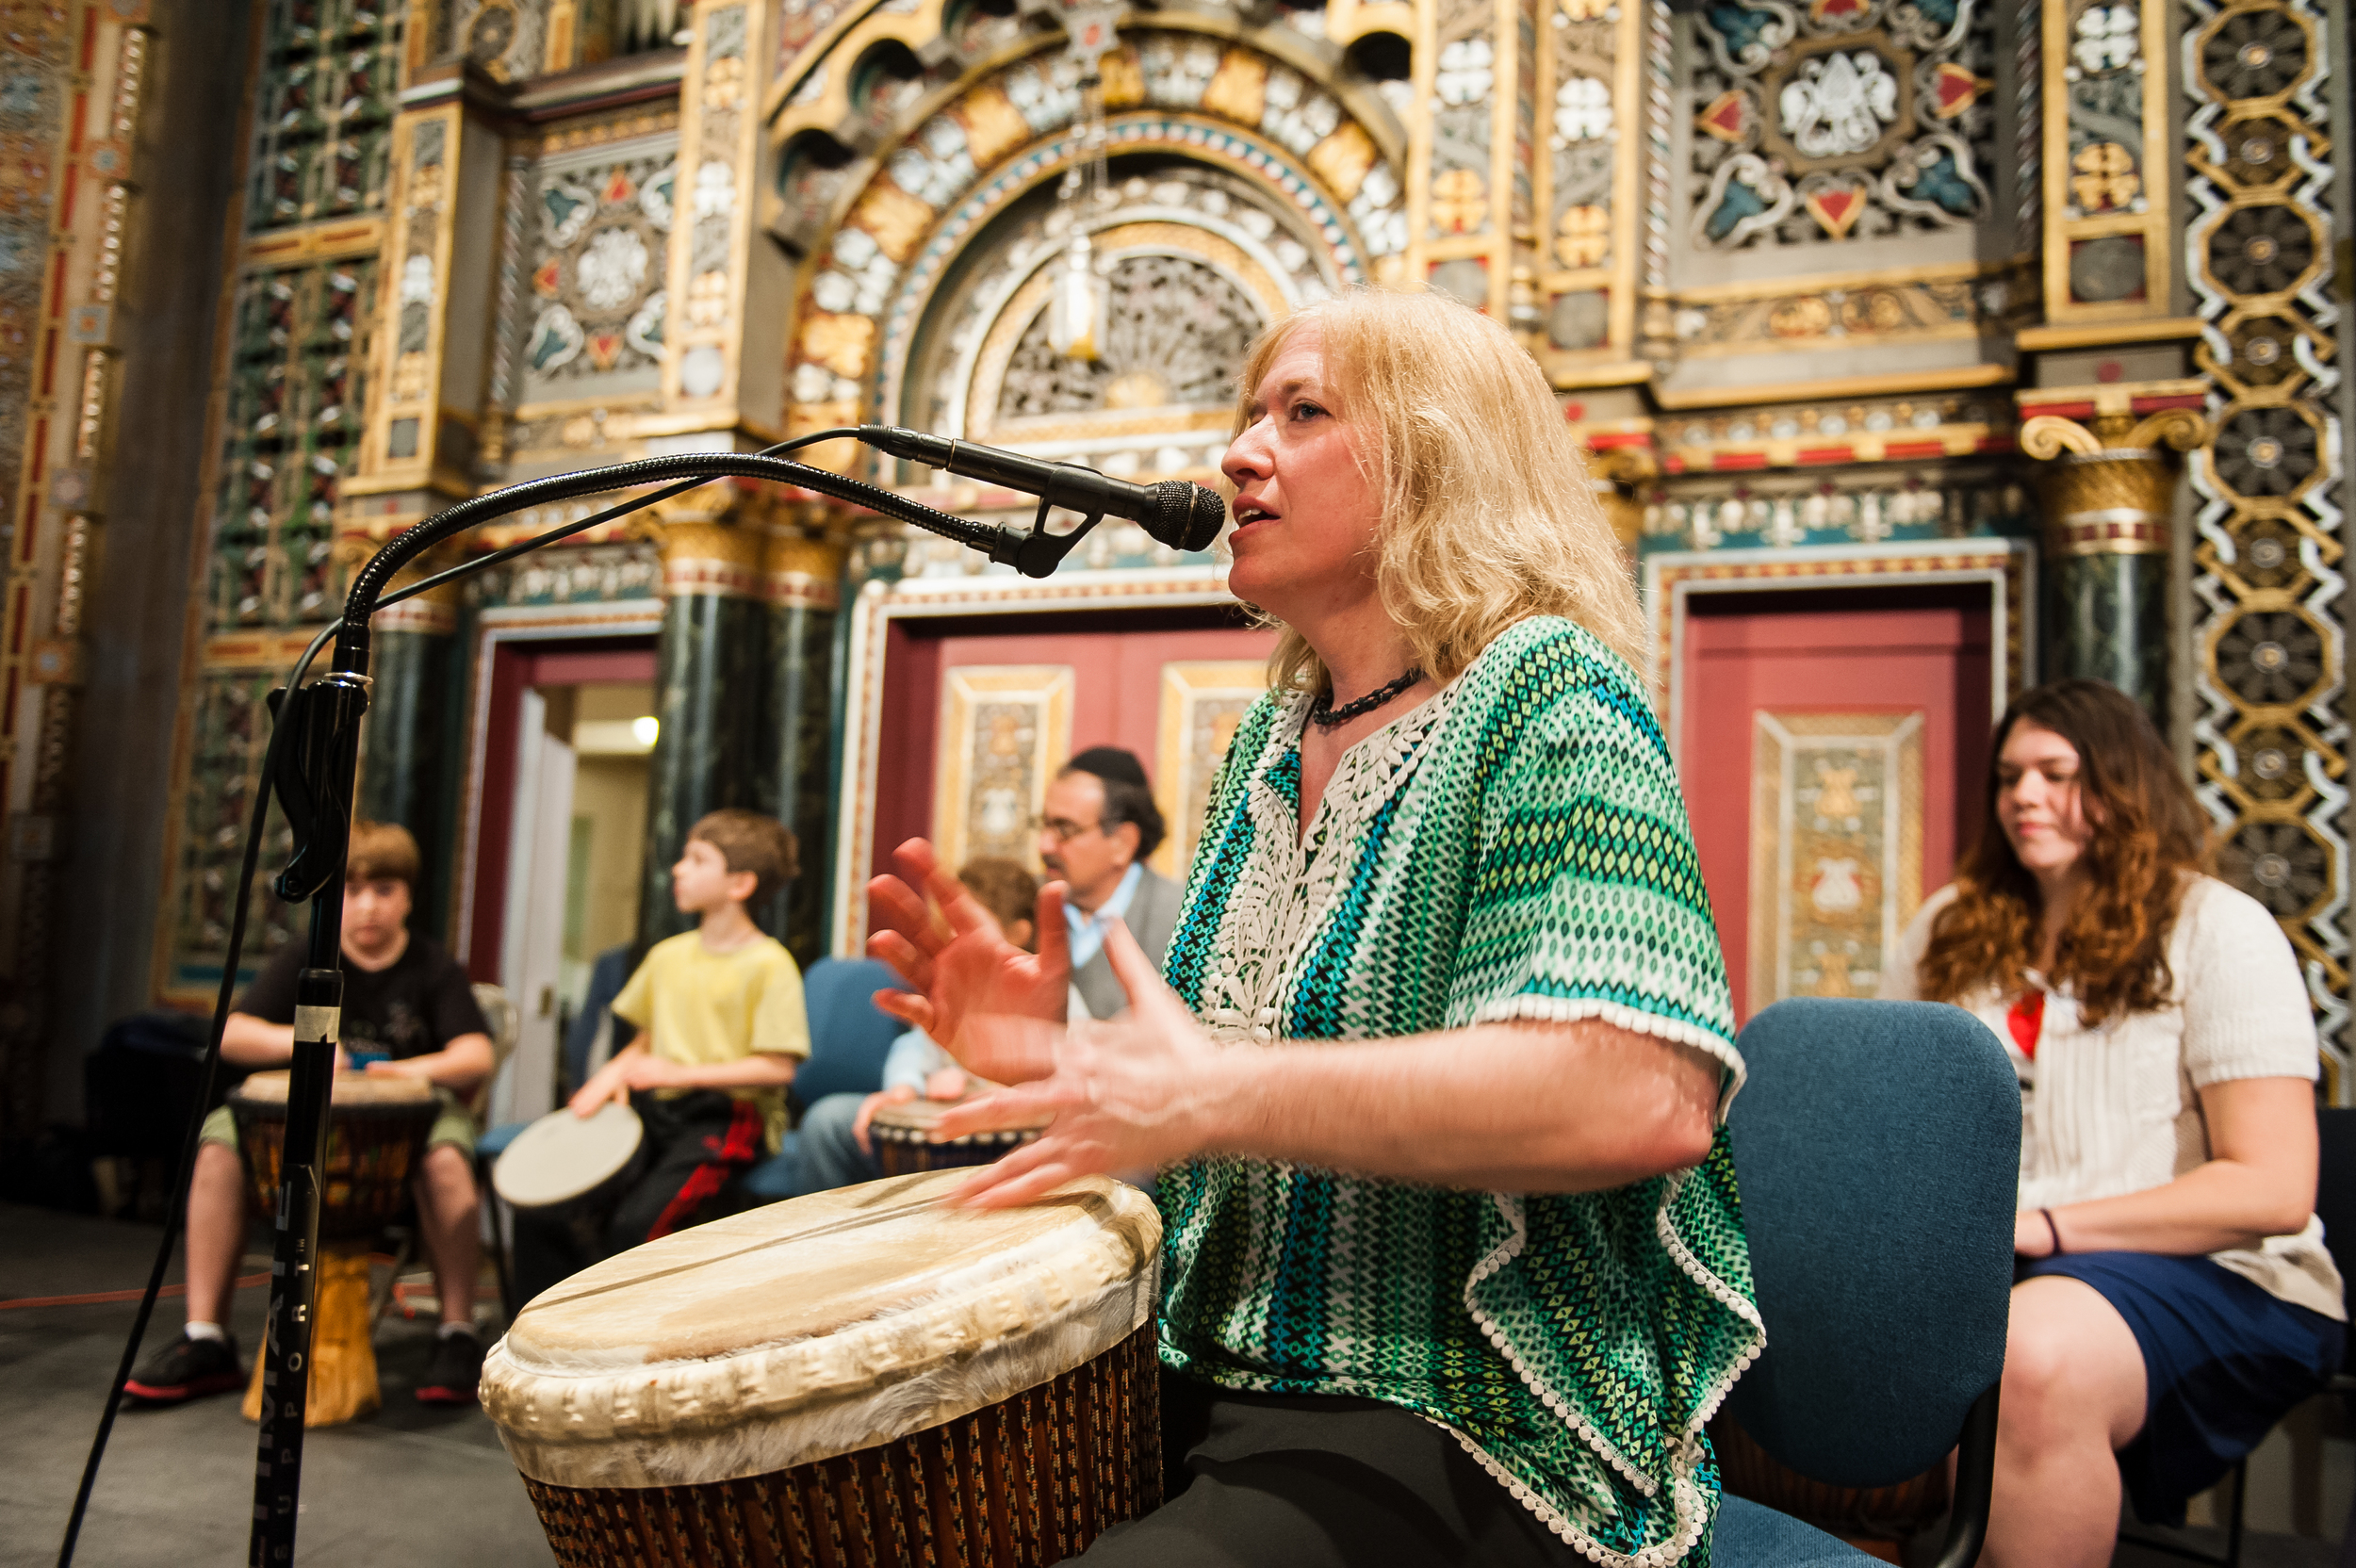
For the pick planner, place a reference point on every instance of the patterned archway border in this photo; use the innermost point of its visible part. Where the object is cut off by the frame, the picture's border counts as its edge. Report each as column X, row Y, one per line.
column 983, row 375
column 1218, row 145
column 1235, row 104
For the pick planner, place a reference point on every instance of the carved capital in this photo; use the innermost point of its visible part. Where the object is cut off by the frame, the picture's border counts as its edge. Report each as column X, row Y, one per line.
column 2112, row 502
column 798, row 569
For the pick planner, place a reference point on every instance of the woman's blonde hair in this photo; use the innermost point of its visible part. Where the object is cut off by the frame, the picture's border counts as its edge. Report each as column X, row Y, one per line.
column 1488, row 514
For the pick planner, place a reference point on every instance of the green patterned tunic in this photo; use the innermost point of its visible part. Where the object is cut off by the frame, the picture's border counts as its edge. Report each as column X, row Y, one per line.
column 1515, row 848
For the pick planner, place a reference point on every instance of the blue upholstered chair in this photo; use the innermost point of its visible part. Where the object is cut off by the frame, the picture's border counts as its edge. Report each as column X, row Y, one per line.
column 849, row 1039
column 1878, row 1145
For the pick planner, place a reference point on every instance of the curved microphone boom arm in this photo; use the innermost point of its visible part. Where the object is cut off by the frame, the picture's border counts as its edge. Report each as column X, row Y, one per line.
column 311, row 766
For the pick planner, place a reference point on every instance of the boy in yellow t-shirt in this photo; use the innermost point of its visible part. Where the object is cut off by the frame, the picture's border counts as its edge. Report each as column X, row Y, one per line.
column 721, row 1025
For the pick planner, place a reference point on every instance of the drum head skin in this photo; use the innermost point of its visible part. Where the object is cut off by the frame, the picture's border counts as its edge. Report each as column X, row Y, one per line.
column 815, row 1327
column 351, row 1088
column 561, row 1156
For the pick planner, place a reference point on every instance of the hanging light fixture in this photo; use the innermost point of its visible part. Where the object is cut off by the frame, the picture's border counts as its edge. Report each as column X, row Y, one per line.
column 1079, row 303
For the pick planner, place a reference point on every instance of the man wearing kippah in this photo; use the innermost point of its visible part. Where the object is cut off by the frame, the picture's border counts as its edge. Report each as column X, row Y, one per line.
column 1098, row 825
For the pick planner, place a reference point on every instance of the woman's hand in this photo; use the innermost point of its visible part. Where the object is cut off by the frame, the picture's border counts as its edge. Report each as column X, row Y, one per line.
column 2031, row 1238
column 969, row 967
column 1130, row 1095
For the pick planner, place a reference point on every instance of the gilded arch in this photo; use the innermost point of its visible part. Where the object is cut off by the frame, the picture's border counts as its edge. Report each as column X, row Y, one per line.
column 1320, row 152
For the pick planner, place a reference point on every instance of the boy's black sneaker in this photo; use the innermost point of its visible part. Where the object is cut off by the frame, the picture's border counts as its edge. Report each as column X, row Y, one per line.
column 451, row 1375
column 186, row 1368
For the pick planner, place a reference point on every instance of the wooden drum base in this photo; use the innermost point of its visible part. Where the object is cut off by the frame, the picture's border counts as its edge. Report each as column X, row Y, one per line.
column 343, row 1359
column 1020, row 1484
column 1876, row 1519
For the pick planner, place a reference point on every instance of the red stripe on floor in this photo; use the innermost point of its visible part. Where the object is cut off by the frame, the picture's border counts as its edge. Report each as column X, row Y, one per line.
column 102, row 1296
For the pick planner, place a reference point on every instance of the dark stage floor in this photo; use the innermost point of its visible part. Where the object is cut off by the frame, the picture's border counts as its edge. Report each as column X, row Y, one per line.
column 407, row 1486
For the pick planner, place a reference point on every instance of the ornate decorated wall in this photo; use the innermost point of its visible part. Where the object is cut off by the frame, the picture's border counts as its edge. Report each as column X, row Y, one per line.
column 2037, row 303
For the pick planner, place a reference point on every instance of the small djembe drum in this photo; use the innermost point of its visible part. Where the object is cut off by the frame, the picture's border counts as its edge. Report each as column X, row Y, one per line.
column 376, row 1133
column 902, row 1137
column 574, row 1166
column 867, row 1378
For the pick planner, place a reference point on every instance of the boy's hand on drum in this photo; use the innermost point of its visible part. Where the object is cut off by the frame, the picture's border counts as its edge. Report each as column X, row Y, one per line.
column 1132, row 1094
column 898, row 1095
column 949, row 1082
column 605, row 1086
column 961, row 964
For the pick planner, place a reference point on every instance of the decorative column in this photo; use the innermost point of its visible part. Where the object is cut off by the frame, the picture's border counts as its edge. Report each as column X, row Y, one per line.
column 2109, row 492
column 406, row 745
column 802, row 587
column 433, row 308
column 708, row 681
column 720, row 279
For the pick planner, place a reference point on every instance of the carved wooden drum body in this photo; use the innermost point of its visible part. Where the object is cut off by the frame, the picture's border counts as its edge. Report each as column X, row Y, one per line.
column 376, row 1134
column 854, row 1379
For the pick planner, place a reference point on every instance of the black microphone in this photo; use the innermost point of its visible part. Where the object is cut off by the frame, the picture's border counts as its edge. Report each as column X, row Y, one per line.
column 1175, row 512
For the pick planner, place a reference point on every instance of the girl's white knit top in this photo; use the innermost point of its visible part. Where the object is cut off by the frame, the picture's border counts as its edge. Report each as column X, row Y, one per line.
column 2117, row 1109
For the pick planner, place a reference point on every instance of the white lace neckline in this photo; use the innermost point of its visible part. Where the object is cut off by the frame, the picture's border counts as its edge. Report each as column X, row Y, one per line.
column 1286, row 890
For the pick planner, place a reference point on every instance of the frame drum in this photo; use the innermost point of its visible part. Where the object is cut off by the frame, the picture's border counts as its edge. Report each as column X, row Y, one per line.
column 857, row 1379
column 562, row 1158
column 902, row 1135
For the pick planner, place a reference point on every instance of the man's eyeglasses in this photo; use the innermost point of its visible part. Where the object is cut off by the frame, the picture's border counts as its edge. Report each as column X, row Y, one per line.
column 1062, row 830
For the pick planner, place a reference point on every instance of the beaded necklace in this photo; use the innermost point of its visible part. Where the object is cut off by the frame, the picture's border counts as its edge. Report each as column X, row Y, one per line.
column 1325, row 715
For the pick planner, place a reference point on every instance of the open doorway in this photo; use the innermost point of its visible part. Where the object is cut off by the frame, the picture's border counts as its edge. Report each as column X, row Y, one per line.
column 564, row 745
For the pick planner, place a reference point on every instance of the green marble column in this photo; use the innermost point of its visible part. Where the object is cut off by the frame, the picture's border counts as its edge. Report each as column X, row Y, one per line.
column 707, row 690
column 802, row 589
column 405, row 774
column 2107, row 539
column 2111, row 624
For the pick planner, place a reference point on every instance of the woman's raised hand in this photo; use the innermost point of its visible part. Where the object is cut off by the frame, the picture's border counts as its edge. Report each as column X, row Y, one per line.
column 962, row 965
column 1133, row 1094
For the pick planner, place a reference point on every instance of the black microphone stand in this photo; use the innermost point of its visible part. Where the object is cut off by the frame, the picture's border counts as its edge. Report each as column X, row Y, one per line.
column 315, row 782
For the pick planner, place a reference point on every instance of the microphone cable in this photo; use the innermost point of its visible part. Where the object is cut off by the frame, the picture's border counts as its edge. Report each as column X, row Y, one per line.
column 465, row 514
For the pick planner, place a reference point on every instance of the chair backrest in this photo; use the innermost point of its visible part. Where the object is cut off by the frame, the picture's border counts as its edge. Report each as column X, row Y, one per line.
column 608, row 973
column 507, row 1026
column 849, row 1037
column 2336, row 1197
column 1878, row 1150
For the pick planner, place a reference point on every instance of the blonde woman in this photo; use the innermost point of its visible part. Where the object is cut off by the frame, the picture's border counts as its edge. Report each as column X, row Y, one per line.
column 1454, row 1268
column 2174, row 1299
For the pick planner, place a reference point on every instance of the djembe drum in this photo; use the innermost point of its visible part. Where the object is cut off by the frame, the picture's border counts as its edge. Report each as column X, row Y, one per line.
column 376, row 1134
column 867, row 1378
column 902, row 1135
column 574, row 1165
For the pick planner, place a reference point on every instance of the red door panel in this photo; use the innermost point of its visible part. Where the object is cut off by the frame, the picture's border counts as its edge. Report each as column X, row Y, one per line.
column 1844, row 651
column 1117, row 665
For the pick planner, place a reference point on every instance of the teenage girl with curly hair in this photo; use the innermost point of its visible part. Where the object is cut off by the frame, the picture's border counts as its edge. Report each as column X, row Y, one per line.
column 2173, row 1298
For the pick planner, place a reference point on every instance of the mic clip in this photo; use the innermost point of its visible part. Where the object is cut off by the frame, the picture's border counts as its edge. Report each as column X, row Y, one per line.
column 1038, row 553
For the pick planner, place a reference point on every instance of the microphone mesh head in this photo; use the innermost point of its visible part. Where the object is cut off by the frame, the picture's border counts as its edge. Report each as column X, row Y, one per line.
column 1188, row 517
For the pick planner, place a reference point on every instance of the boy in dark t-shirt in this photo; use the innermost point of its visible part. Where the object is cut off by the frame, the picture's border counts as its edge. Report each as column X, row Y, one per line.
column 408, row 1011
